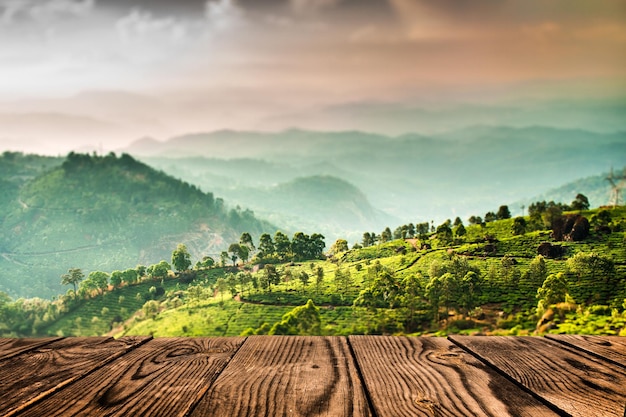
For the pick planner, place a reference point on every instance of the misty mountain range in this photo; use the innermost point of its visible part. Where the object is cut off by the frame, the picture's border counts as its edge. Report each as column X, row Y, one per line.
column 410, row 177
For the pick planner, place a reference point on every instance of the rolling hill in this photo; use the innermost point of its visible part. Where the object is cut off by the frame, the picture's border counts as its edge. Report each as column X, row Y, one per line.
column 104, row 213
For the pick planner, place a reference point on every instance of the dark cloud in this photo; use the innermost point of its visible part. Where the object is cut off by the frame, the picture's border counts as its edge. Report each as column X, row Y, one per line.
column 157, row 7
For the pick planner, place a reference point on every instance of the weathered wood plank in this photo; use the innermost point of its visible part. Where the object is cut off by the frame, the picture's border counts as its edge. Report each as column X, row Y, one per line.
column 288, row 375
column 37, row 374
column 13, row 347
column 610, row 348
column 578, row 384
column 164, row 377
column 432, row 377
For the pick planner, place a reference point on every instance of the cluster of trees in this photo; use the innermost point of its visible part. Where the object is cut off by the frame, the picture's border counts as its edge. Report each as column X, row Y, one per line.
column 97, row 282
column 405, row 231
column 243, row 282
column 301, row 247
column 454, row 284
column 502, row 214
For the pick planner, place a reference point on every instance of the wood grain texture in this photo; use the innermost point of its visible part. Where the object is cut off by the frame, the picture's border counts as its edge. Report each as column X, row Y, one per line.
column 13, row 347
column 38, row 373
column 288, row 376
column 164, row 377
column 432, row 377
column 576, row 383
column 610, row 348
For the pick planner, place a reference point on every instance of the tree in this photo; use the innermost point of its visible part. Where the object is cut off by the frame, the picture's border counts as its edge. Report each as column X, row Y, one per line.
column 412, row 291
column 553, row 291
column 444, row 232
column 319, row 278
column 537, row 271
column 552, row 214
column 601, row 219
column 457, row 222
column 503, row 213
column 400, row 232
column 343, row 279
column 596, row 276
column 130, row 276
column 159, row 270
column 73, row 277
column 469, row 292
column 246, row 240
column 116, row 279
column 340, row 245
column 266, row 246
column 433, row 294
column 459, row 231
column 581, row 202
column 383, row 290
column 100, row 280
column 386, row 235
column 450, row 291
column 411, row 230
column 367, row 240
column 271, row 275
column 300, row 246
column 304, row 278
column 238, row 251
column 282, row 245
column 150, row 309
column 519, row 226
column 181, row 258
column 303, row 320
column 224, row 257
column 222, row 286
column 316, row 246
column 206, row 262
column 475, row 220
column 490, row 216
column 141, row 270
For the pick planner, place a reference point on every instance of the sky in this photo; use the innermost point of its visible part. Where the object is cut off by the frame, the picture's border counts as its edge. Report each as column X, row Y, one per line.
column 77, row 73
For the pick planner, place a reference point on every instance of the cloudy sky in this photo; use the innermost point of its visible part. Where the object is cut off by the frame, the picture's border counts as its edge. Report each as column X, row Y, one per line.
column 160, row 67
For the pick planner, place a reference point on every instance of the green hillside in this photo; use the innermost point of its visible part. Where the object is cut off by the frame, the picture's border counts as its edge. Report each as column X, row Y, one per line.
column 488, row 280
column 106, row 213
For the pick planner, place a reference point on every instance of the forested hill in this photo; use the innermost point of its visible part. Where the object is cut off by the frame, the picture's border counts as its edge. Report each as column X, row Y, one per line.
column 105, row 212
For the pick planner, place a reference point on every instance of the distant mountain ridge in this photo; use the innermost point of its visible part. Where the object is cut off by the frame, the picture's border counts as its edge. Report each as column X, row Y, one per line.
column 412, row 177
column 596, row 188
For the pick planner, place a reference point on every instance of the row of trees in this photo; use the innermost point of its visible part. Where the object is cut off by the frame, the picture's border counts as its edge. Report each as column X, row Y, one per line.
column 454, row 284
column 97, row 282
column 301, row 247
column 542, row 215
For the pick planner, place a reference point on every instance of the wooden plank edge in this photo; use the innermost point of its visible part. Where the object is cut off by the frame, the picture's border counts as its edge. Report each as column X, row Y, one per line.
column 359, row 372
column 31, row 348
column 578, row 349
column 42, row 396
column 503, row 373
column 202, row 392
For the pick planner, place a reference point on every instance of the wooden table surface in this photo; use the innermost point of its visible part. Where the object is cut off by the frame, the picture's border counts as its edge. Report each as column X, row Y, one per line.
column 311, row 376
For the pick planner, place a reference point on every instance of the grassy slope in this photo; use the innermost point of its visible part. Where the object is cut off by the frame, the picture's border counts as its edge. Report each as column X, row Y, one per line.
column 507, row 309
